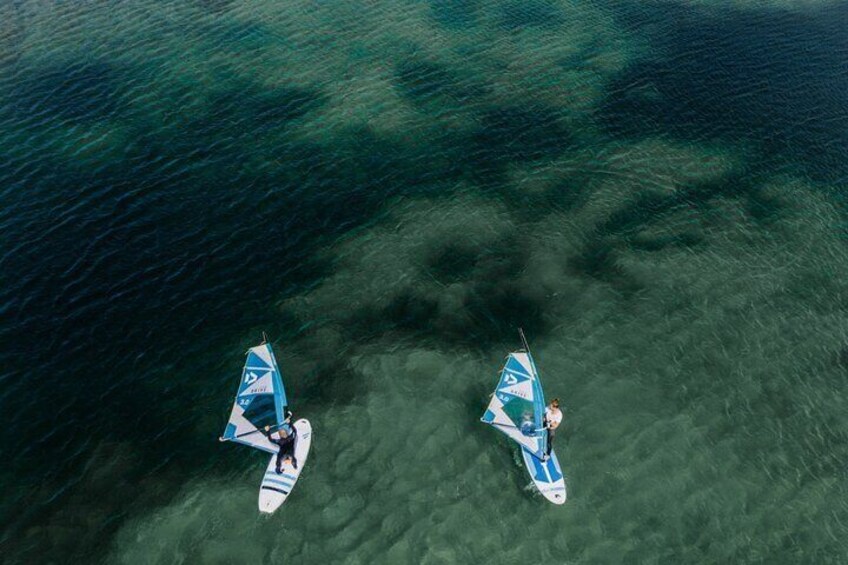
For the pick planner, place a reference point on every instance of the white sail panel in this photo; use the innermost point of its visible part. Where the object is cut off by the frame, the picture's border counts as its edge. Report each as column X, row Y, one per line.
column 498, row 416
column 524, row 361
column 523, row 390
column 529, row 442
column 265, row 354
column 262, row 385
column 241, row 430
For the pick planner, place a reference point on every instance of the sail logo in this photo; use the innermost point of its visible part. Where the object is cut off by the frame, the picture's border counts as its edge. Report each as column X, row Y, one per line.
column 250, row 378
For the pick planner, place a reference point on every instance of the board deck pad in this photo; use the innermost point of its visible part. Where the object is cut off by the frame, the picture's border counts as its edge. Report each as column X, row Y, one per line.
column 547, row 476
column 275, row 488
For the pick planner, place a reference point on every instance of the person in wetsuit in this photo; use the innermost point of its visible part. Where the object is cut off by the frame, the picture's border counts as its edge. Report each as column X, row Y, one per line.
column 287, row 435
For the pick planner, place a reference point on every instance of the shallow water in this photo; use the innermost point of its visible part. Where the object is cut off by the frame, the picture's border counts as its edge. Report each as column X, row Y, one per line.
column 654, row 191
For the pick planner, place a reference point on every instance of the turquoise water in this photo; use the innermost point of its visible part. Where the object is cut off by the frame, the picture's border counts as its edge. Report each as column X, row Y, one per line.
column 655, row 191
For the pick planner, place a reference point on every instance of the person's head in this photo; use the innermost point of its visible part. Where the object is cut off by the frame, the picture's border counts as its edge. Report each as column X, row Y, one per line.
column 555, row 402
column 283, row 432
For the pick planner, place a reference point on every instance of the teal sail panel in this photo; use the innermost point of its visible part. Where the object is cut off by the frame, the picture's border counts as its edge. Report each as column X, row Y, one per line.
column 260, row 402
column 517, row 407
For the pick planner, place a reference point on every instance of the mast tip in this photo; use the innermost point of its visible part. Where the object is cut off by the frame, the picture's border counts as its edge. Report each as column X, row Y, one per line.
column 523, row 340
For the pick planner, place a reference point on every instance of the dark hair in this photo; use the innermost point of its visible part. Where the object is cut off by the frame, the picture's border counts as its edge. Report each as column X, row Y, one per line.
column 555, row 402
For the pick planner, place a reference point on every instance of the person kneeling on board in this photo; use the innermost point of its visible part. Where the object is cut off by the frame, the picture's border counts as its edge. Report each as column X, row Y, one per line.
column 553, row 418
column 285, row 442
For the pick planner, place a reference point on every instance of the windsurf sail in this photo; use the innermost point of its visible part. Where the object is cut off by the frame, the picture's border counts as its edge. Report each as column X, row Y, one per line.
column 517, row 407
column 260, row 402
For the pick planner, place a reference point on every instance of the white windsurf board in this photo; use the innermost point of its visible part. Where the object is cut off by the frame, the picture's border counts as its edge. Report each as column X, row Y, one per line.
column 275, row 488
column 546, row 475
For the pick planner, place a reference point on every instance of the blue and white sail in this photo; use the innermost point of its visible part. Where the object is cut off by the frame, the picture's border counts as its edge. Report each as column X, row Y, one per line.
column 260, row 402
column 517, row 407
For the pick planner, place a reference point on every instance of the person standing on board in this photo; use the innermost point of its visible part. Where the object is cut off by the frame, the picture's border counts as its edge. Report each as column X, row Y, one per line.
column 287, row 436
column 553, row 418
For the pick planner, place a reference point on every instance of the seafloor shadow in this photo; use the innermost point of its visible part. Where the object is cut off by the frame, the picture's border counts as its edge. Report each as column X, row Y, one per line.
column 74, row 91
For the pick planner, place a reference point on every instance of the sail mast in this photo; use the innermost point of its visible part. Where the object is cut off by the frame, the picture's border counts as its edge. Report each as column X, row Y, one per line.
column 523, row 340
